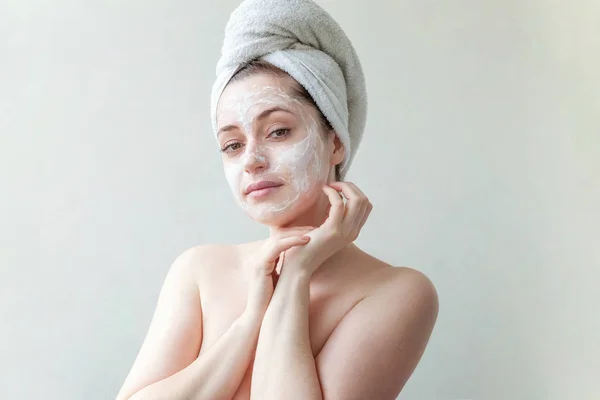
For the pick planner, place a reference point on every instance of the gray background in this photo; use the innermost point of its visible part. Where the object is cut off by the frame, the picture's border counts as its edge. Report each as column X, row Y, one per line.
column 481, row 156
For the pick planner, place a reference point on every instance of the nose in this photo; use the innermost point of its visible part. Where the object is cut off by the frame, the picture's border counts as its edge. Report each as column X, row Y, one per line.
column 254, row 160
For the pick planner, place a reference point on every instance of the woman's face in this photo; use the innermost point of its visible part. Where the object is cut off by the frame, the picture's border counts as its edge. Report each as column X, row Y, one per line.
column 271, row 140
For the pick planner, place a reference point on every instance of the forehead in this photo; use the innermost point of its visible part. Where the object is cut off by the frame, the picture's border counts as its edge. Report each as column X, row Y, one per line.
column 253, row 93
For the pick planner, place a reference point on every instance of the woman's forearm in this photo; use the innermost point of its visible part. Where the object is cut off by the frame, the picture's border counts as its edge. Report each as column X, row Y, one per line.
column 217, row 373
column 284, row 366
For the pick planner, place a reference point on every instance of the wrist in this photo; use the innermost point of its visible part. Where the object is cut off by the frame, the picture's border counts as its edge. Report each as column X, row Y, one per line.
column 293, row 276
column 252, row 317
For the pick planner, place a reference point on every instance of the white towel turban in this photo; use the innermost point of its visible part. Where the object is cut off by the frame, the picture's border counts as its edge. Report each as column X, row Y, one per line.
column 302, row 39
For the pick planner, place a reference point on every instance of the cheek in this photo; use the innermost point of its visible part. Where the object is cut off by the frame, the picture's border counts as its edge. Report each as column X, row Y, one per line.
column 304, row 162
column 232, row 174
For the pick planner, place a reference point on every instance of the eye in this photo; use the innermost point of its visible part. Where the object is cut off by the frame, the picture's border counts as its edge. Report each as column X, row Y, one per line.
column 231, row 147
column 279, row 133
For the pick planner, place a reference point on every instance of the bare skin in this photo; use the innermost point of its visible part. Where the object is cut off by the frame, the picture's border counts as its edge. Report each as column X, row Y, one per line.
column 335, row 289
column 333, row 292
column 304, row 314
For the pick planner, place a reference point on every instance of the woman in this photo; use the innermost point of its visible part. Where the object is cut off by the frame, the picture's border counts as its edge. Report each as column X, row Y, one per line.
column 304, row 314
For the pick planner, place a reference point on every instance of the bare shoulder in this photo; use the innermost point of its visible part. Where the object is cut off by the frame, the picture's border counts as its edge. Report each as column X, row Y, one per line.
column 406, row 279
column 203, row 256
column 176, row 332
column 377, row 345
column 401, row 291
column 208, row 251
column 400, row 285
column 386, row 278
column 206, row 261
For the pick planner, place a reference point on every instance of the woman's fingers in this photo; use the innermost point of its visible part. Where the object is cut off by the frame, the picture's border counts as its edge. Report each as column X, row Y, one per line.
column 277, row 246
column 358, row 206
column 366, row 208
column 294, row 231
column 355, row 189
column 336, row 206
column 297, row 232
column 354, row 204
column 349, row 190
column 361, row 219
column 366, row 215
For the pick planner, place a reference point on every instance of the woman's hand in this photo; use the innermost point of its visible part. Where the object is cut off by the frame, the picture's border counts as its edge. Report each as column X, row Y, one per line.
column 262, row 263
column 342, row 226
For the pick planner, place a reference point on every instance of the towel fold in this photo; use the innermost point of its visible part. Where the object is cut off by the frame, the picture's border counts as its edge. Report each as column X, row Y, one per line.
column 302, row 39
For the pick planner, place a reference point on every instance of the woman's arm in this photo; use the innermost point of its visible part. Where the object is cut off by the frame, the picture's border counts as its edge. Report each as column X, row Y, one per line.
column 370, row 354
column 168, row 365
column 284, row 366
column 217, row 373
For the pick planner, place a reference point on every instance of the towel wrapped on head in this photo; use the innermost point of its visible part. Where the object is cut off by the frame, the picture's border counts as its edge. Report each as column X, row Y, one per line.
column 302, row 39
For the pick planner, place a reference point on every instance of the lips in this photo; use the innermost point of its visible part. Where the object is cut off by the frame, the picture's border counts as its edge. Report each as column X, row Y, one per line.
column 261, row 185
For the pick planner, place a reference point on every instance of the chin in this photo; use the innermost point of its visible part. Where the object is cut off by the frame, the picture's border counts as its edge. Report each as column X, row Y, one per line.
column 270, row 213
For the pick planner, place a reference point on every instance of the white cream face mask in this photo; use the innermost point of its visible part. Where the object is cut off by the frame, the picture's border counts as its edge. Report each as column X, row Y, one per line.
column 298, row 166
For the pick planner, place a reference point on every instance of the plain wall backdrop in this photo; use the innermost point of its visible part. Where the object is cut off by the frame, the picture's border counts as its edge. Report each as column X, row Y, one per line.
column 480, row 155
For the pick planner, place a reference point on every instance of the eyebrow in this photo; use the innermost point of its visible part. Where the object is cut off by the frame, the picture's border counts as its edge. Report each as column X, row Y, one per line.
column 265, row 113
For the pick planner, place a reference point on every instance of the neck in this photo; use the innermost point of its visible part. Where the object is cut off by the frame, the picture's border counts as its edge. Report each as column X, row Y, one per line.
column 313, row 216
